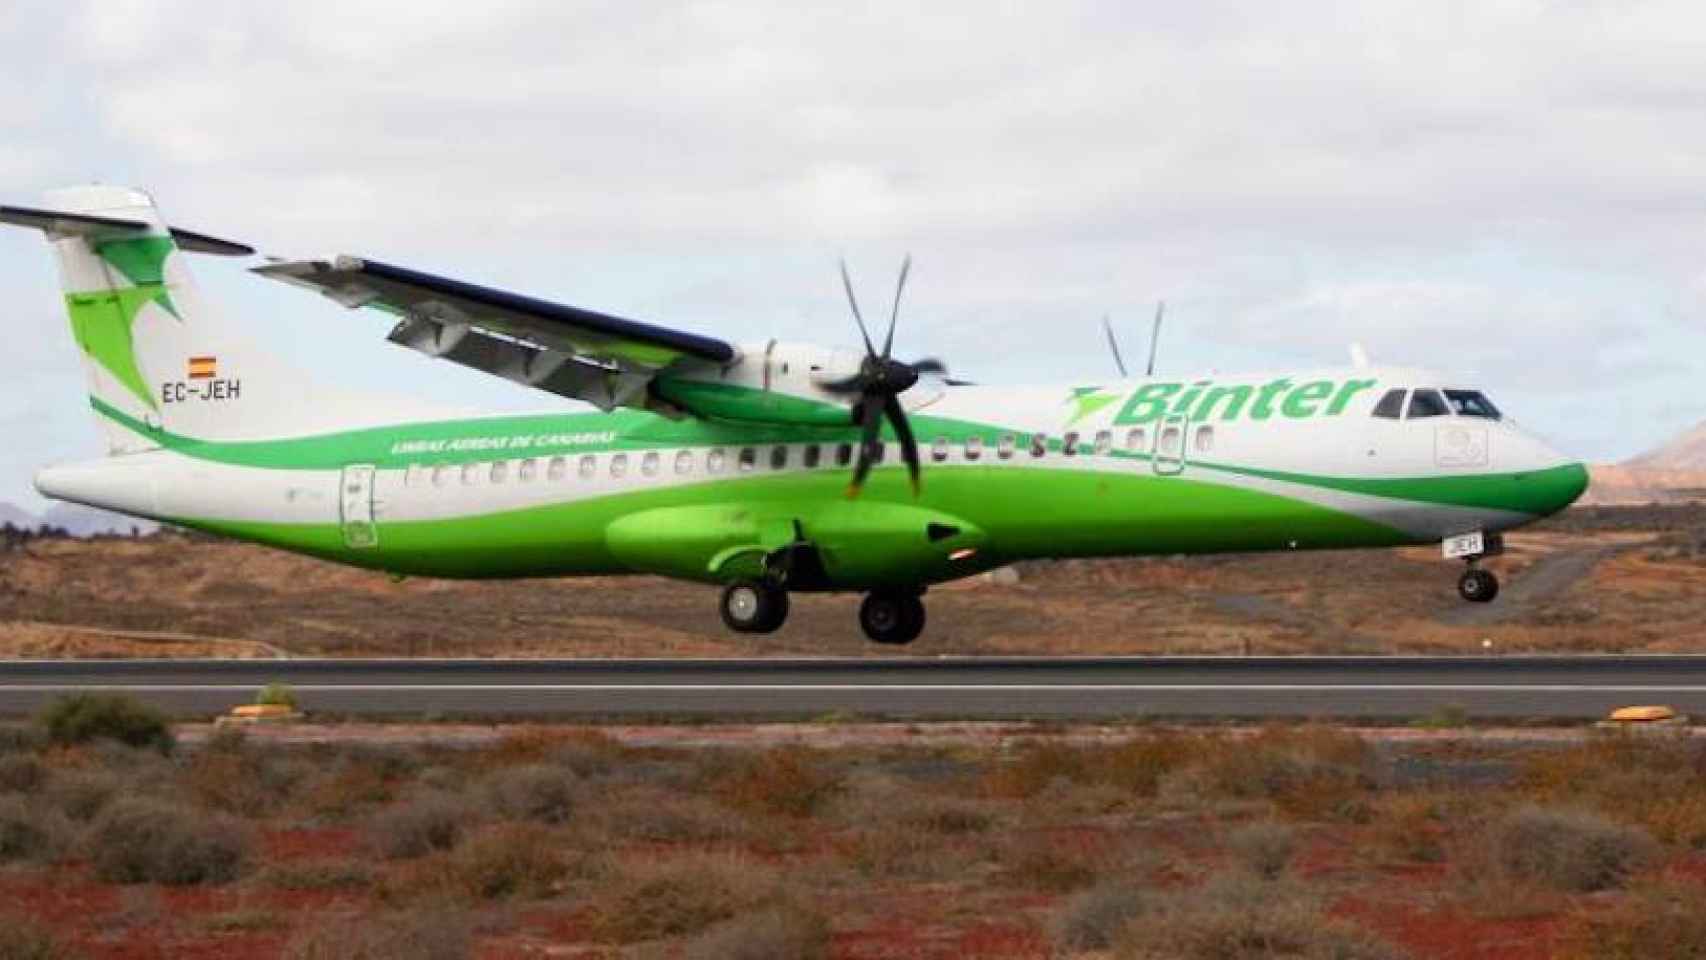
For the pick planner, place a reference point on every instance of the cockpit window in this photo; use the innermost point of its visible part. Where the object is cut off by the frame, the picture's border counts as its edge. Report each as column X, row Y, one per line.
column 1472, row 403
column 1391, row 406
column 1427, row 403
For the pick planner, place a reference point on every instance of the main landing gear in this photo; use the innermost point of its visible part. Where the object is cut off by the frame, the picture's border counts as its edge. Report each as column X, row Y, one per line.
column 888, row 615
column 1477, row 585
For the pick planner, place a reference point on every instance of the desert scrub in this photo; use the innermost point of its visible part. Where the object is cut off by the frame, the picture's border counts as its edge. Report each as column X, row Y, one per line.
column 85, row 717
column 1657, row 782
column 419, row 826
column 1574, row 851
column 507, row 861
column 778, row 933
column 537, row 792
column 1264, row 848
column 146, row 841
column 1093, row 919
column 24, row 939
column 783, row 781
column 1238, row 917
column 1309, row 772
column 81, row 794
column 425, row 934
column 1134, row 767
column 21, row 773
column 32, row 832
column 1654, row 922
column 678, row 897
column 317, row 875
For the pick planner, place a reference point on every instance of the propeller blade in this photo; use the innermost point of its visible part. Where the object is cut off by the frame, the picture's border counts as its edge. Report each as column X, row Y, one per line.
column 871, row 424
column 853, row 384
column 1155, row 337
column 852, row 301
column 930, row 365
column 1113, row 344
column 894, row 315
column 903, row 431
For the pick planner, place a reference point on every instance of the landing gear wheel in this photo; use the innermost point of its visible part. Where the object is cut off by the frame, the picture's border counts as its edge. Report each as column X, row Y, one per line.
column 754, row 607
column 1478, row 586
column 892, row 616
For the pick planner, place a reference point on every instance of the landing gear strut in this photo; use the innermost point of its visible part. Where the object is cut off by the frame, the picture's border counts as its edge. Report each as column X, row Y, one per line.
column 1477, row 585
column 754, row 606
column 892, row 616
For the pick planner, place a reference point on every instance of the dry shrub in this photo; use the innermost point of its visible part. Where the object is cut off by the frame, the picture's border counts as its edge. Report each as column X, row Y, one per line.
column 1657, row 922
column 23, row 939
column 509, row 861
column 1042, row 862
column 238, row 780
column 32, row 832
column 85, row 717
column 947, row 816
column 435, row 934
column 1264, row 848
column 318, row 875
column 1092, row 920
column 1238, row 917
column 1574, row 851
column 146, row 841
column 1134, row 767
column 784, row 781
column 662, row 816
column 678, row 897
column 535, row 792
column 419, row 826
column 21, row 773
column 779, row 933
column 1658, row 782
column 584, row 753
column 1309, row 772
column 884, row 853
column 81, row 794
column 1408, row 828
column 17, row 738
column 344, row 790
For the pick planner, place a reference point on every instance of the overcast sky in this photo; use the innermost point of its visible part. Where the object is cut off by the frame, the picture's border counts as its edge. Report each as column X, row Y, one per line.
column 1515, row 190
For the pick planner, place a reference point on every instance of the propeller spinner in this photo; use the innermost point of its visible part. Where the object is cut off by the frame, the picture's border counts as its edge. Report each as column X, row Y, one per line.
column 878, row 385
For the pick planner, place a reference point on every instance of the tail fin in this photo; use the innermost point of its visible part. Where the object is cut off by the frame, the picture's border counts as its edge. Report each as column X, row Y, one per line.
column 160, row 361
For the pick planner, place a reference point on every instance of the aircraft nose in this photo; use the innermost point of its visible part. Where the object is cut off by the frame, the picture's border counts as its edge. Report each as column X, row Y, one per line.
column 1557, row 485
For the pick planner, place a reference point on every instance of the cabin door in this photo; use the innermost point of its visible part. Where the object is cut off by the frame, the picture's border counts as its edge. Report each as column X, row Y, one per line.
column 355, row 507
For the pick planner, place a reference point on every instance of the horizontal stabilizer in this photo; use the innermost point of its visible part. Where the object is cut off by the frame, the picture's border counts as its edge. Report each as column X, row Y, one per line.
column 58, row 223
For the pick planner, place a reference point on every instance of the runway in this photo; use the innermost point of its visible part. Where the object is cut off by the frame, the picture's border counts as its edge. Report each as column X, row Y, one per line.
column 1573, row 687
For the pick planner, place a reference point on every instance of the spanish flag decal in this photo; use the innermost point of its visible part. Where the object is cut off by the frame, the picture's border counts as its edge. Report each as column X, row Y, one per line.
column 204, row 368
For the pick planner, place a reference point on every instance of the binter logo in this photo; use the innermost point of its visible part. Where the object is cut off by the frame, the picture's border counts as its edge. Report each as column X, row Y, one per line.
column 1206, row 400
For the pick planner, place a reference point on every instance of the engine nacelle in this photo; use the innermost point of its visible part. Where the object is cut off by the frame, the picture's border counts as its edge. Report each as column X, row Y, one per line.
column 770, row 383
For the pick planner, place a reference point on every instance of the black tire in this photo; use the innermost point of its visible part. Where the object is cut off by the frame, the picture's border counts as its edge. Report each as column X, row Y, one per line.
column 754, row 607
column 1478, row 586
column 892, row 616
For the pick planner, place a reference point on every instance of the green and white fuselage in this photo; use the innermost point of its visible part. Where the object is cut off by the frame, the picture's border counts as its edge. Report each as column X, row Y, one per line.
column 704, row 468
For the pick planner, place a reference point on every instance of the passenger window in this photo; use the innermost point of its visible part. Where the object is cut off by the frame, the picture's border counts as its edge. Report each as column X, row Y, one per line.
column 939, row 449
column 1391, row 406
column 1104, row 442
column 619, row 465
column 748, row 459
column 412, row 475
column 529, row 471
column 974, row 448
column 588, row 466
column 813, row 456
column 684, row 462
column 1169, row 444
column 1472, row 403
column 500, row 471
column 1205, row 439
column 649, row 463
column 1069, row 444
column 1134, row 440
column 716, row 460
column 1427, row 403
column 440, row 474
column 843, row 454
column 1039, row 444
column 471, row 474
column 1004, row 446
column 778, row 458
column 557, row 470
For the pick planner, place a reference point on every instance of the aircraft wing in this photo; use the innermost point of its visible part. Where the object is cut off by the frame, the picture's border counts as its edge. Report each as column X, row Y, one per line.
column 604, row 360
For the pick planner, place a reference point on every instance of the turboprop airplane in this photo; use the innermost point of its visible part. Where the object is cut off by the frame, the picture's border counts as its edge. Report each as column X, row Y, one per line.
column 766, row 468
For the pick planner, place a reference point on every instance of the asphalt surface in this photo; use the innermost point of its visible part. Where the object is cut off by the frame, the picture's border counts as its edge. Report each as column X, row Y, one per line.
column 1126, row 687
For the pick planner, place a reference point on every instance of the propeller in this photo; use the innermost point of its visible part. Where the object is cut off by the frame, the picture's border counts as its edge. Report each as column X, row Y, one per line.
column 1155, row 337
column 878, row 385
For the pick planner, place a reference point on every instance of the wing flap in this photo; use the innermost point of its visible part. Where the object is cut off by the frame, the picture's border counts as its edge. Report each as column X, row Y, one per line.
column 569, row 351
